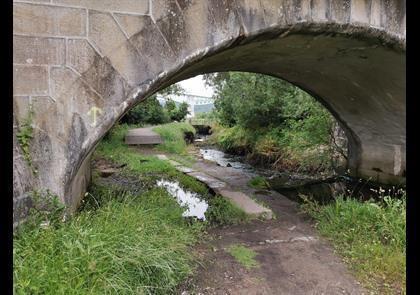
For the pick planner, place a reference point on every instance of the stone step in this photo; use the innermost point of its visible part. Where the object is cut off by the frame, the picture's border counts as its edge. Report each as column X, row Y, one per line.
column 240, row 199
column 143, row 136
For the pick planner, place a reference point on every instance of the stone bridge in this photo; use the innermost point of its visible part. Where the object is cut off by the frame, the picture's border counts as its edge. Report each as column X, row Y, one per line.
column 79, row 65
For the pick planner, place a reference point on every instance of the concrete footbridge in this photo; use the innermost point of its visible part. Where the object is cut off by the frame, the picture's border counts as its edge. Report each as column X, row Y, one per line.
column 80, row 65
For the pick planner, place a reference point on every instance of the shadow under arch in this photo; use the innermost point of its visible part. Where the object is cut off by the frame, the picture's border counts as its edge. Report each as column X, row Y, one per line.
column 357, row 74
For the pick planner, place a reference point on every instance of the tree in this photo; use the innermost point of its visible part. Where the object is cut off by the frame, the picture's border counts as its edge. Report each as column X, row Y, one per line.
column 150, row 110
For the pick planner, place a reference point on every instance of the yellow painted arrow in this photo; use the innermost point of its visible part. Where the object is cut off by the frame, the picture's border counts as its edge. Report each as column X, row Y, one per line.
column 94, row 112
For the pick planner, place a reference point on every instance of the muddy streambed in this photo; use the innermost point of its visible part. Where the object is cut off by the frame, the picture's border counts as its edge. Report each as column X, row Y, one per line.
column 293, row 185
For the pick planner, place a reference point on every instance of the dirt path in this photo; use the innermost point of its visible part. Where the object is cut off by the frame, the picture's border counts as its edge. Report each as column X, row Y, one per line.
column 292, row 257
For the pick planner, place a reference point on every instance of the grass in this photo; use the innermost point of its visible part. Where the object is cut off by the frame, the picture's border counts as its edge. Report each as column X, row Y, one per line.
column 371, row 238
column 146, row 167
column 128, row 245
column 173, row 137
column 222, row 212
column 259, row 182
column 118, row 242
column 243, row 255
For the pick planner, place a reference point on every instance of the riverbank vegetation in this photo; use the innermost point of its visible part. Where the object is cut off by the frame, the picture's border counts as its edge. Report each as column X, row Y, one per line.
column 371, row 236
column 121, row 240
column 271, row 121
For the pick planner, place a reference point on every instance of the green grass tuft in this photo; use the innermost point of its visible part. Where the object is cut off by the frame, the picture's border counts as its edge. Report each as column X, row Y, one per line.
column 222, row 212
column 243, row 255
column 370, row 236
column 173, row 137
column 259, row 182
column 128, row 245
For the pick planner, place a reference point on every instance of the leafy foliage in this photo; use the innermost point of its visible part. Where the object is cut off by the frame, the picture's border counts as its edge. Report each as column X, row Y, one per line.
column 271, row 120
column 150, row 111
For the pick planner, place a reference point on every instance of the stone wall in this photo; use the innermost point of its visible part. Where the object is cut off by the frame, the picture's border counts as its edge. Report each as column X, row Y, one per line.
column 81, row 64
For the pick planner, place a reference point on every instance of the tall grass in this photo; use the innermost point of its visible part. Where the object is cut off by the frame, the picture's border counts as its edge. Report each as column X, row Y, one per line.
column 370, row 236
column 173, row 136
column 129, row 245
column 118, row 242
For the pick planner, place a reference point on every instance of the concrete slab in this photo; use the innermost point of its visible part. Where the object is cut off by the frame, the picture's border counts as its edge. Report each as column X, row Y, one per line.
column 162, row 157
column 142, row 136
column 247, row 204
column 175, row 163
column 184, row 169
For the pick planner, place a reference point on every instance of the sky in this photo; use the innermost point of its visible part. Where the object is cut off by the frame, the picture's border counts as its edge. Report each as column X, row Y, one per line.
column 196, row 86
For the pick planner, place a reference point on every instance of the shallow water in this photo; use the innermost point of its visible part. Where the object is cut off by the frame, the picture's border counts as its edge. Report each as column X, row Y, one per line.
column 223, row 159
column 195, row 206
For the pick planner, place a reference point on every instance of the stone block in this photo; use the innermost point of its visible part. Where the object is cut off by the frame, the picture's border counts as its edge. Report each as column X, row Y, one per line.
column 80, row 55
column 30, row 80
column 32, row 19
column 127, row 61
column 131, row 24
column 108, row 82
column 62, row 80
column 320, row 10
column 273, row 12
column 375, row 14
column 173, row 30
column 104, row 32
column 163, row 8
column 252, row 15
column 226, row 21
column 150, row 44
column 340, row 10
column 132, row 6
column 20, row 108
column 42, row 106
column 393, row 16
column 197, row 19
column 38, row 50
column 360, row 11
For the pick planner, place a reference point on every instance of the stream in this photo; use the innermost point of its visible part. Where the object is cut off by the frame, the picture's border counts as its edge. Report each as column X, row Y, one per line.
column 321, row 188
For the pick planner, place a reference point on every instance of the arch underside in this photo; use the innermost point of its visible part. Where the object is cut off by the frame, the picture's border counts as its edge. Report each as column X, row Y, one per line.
column 352, row 65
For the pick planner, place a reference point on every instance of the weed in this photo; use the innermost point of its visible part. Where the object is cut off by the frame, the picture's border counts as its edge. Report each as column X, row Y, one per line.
column 243, row 255
column 223, row 212
column 259, row 182
column 24, row 137
column 370, row 236
column 173, row 137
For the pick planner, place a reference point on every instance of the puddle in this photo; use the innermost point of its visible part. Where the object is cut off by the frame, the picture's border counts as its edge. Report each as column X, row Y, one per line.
column 196, row 207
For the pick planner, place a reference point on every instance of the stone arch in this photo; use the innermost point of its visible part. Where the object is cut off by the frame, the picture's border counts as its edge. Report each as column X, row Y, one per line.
column 93, row 60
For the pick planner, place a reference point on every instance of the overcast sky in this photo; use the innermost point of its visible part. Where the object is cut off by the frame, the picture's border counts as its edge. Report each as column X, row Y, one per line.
column 196, row 86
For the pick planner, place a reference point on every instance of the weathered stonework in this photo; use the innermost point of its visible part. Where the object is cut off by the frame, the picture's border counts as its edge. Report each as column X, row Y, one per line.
column 73, row 58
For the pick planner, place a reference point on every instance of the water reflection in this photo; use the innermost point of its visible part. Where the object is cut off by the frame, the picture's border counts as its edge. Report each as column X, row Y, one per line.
column 196, row 207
